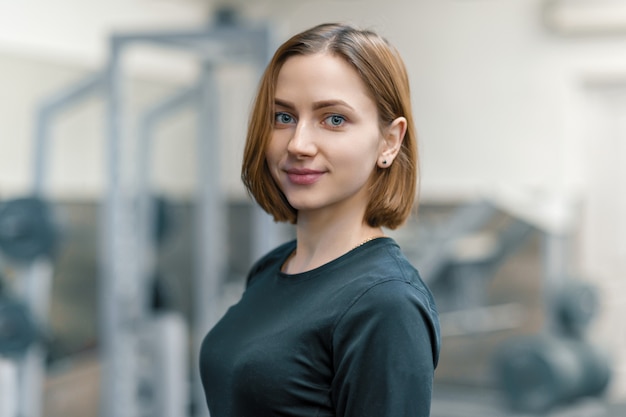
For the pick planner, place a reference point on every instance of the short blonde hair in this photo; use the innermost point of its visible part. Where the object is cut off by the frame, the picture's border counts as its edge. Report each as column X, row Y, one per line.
column 393, row 189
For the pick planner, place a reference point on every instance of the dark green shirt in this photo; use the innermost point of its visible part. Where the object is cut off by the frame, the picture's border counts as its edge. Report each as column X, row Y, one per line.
column 356, row 337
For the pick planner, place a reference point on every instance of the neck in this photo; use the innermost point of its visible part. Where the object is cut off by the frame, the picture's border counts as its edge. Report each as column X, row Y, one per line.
column 320, row 240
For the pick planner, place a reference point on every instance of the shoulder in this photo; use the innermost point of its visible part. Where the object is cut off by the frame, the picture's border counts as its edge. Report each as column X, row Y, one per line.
column 398, row 309
column 394, row 298
column 383, row 264
column 278, row 254
column 389, row 291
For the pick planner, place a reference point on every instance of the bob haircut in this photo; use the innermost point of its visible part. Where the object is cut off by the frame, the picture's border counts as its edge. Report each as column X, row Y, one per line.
column 392, row 189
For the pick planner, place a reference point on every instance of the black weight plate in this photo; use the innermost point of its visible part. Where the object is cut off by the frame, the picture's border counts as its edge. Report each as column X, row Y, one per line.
column 27, row 229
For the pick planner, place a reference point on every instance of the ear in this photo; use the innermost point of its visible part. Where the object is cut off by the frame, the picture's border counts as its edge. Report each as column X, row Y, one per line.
column 392, row 141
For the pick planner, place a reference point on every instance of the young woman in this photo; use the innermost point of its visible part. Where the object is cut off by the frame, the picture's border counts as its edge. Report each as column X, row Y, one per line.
column 337, row 322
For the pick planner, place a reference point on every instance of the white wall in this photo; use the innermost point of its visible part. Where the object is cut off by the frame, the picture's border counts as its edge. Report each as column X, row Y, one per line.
column 47, row 48
column 75, row 30
column 603, row 227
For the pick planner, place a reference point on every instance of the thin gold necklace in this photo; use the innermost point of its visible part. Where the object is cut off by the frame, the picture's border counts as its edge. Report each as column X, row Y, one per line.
column 367, row 240
column 293, row 253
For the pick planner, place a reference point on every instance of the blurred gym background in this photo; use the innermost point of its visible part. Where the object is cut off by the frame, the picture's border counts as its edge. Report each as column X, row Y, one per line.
column 125, row 232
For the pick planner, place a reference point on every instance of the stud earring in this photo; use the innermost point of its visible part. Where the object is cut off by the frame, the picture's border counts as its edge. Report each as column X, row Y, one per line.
column 384, row 162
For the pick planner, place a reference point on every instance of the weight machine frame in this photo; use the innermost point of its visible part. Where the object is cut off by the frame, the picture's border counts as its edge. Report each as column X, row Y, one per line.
column 24, row 376
column 125, row 253
column 120, row 310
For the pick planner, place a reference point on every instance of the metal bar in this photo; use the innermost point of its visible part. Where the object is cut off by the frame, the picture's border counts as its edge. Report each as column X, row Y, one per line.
column 150, row 118
column 210, row 216
column 265, row 233
column 466, row 219
column 145, row 219
column 172, row 396
column 8, row 388
column 108, row 313
column 168, row 338
column 37, row 277
column 555, row 275
column 227, row 41
column 35, row 283
column 118, row 396
column 219, row 33
column 46, row 112
column 120, row 271
column 511, row 238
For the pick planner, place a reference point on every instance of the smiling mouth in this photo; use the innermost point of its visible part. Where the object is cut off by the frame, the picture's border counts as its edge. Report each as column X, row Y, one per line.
column 304, row 177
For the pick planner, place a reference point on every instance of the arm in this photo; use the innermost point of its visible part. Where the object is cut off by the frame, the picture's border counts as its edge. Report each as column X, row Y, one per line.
column 384, row 350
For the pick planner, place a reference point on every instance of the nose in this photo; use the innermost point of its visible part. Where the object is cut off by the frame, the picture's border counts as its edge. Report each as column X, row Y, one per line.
column 302, row 143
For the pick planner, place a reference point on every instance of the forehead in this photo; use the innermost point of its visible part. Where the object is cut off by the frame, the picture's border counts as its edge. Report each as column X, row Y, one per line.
column 321, row 77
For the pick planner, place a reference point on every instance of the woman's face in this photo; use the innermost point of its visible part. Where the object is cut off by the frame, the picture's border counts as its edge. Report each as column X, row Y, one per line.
column 326, row 139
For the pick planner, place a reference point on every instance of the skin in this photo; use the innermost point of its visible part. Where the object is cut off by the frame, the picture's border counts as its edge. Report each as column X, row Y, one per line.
column 324, row 148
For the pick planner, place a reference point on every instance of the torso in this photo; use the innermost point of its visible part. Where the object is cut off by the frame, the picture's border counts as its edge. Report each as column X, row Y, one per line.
column 273, row 352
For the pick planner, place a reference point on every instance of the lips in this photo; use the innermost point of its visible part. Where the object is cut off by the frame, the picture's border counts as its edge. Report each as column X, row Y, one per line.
column 303, row 176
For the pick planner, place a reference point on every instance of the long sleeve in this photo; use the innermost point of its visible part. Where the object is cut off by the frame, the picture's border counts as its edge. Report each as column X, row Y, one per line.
column 385, row 350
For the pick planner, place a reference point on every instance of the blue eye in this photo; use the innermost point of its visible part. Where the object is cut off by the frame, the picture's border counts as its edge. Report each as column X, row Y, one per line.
column 335, row 120
column 283, row 118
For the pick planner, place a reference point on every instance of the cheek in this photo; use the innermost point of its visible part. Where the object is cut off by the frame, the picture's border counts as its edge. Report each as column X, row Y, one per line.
column 277, row 145
column 365, row 153
column 272, row 156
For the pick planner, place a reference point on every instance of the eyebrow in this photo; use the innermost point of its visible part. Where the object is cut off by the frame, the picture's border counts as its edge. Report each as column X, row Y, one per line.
column 316, row 106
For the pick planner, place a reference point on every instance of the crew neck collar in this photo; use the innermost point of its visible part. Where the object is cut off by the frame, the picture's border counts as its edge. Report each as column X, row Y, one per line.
column 379, row 241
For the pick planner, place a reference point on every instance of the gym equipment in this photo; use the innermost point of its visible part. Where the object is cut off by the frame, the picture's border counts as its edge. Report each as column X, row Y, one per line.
column 473, row 259
column 127, row 251
column 558, row 366
column 574, row 307
column 23, row 315
column 535, row 373
column 29, row 237
column 8, row 388
column 128, row 246
column 27, row 229
column 18, row 330
column 538, row 373
column 434, row 256
column 161, row 220
column 458, row 258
